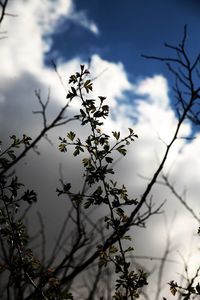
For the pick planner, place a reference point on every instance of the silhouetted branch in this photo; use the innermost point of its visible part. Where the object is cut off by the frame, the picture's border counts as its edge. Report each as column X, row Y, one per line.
column 186, row 108
column 3, row 6
column 180, row 198
column 57, row 121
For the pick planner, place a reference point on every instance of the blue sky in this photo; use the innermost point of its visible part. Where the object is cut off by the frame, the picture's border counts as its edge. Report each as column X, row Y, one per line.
column 127, row 29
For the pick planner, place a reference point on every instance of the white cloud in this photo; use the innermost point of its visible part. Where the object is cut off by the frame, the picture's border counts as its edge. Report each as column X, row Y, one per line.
column 94, row 28
column 23, row 52
column 49, row 14
column 110, row 79
column 156, row 90
column 80, row 17
column 25, row 46
column 103, row 74
column 155, row 123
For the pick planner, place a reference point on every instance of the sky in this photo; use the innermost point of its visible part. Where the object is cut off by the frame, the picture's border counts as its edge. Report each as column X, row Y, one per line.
column 110, row 36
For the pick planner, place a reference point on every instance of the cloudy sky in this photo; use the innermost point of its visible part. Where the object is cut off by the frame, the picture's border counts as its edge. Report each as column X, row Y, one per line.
column 110, row 36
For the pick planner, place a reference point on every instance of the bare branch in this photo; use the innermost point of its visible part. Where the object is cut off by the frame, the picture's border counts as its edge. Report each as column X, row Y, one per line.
column 180, row 198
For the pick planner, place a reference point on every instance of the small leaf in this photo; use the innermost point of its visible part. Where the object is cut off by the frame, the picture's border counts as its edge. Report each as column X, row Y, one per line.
column 11, row 154
column 83, row 114
column 120, row 212
column 122, row 150
column 102, row 98
column 127, row 237
column 71, row 135
column 113, row 249
column 82, row 67
column 173, row 290
column 76, row 152
column 73, row 79
column 109, row 159
column 87, row 204
column 106, row 147
column 116, row 134
column 16, row 141
column 29, row 196
column 86, row 162
column 129, row 249
column 88, row 85
column 198, row 288
column 67, row 187
column 74, row 91
column 173, row 287
column 62, row 147
column 130, row 130
column 26, row 139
